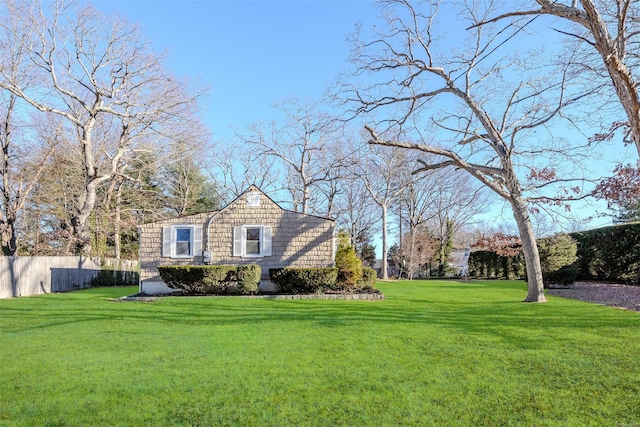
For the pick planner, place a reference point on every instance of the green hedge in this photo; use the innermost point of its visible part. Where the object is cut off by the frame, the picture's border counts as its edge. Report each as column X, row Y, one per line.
column 490, row 265
column 609, row 253
column 368, row 280
column 110, row 277
column 320, row 280
column 304, row 280
column 248, row 278
column 555, row 253
column 212, row 279
column 557, row 256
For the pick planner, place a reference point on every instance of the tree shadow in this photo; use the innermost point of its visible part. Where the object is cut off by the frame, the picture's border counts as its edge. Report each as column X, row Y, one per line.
column 502, row 321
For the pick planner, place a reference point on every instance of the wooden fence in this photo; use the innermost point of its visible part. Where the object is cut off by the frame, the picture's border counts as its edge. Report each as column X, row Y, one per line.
column 24, row 276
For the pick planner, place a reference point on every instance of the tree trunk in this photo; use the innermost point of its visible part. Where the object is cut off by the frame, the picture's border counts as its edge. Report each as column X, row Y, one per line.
column 613, row 55
column 11, row 230
column 623, row 82
column 117, row 227
column 535, row 284
column 79, row 220
column 305, row 199
column 412, row 256
column 384, row 272
column 8, row 238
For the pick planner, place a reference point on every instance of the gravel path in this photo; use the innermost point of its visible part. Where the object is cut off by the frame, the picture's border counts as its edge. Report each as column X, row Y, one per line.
column 621, row 296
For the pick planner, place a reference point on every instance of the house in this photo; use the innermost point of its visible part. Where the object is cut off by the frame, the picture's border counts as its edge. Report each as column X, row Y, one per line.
column 252, row 229
column 459, row 261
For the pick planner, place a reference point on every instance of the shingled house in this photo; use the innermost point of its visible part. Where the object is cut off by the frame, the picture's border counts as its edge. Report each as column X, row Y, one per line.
column 252, row 229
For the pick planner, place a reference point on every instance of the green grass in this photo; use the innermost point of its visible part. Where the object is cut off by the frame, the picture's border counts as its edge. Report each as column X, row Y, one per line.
column 432, row 353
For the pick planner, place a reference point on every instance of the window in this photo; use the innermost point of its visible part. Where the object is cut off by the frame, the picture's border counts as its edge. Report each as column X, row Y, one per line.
column 251, row 241
column 253, row 199
column 181, row 241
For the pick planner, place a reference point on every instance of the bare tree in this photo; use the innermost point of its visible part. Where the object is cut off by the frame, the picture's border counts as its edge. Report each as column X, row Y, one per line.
column 236, row 166
column 458, row 200
column 414, row 204
column 305, row 146
column 414, row 252
column 355, row 210
column 21, row 165
column 442, row 201
column 97, row 73
column 23, row 154
column 612, row 29
column 484, row 122
column 380, row 171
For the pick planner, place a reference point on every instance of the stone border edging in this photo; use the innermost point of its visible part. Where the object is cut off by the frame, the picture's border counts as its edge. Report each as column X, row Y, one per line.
column 345, row 297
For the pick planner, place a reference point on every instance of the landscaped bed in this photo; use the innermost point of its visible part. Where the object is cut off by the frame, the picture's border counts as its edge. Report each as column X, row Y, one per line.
column 431, row 353
column 612, row 294
column 202, row 280
column 363, row 296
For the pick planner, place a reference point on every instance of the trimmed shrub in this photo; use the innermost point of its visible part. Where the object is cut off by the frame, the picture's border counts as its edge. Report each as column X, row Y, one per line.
column 563, row 276
column 368, row 280
column 111, row 277
column 210, row 279
column 349, row 267
column 607, row 253
column 610, row 253
column 248, row 278
column 490, row 265
column 304, row 280
column 557, row 255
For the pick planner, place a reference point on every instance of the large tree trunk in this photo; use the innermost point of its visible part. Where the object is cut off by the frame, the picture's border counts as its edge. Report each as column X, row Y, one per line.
column 8, row 237
column 11, row 241
column 535, row 284
column 412, row 256
column 87, row 202
column 117, row 228
column 81, row 217
column 384, row 272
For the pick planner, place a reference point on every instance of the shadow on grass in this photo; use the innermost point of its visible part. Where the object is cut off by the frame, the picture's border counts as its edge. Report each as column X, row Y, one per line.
column 491, row 310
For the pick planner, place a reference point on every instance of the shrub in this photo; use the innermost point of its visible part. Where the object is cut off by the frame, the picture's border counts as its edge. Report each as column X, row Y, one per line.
column 563, row 276
column 304, row 280
column 610, row 253
column 368, row 280
column 110, row 277
column 248, row 278
column 349, row 267
column 212, row 279
column 557, row 255
column 490, row 265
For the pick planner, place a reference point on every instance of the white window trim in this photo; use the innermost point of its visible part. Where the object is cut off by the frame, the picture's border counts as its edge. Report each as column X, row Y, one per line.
column 169, row 239
column 240, row 241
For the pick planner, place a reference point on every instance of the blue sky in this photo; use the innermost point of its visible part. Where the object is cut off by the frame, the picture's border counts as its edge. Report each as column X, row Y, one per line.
column 251, row 54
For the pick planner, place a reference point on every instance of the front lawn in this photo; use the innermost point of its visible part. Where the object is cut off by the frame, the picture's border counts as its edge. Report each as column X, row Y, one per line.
column 432, row 353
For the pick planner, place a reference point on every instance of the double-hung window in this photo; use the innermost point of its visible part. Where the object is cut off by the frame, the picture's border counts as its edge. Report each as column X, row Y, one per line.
column 181, row 241
column 184, row 241
column 251, row 241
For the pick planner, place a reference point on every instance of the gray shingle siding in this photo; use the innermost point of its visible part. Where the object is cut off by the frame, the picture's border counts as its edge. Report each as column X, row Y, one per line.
column 298, row 240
